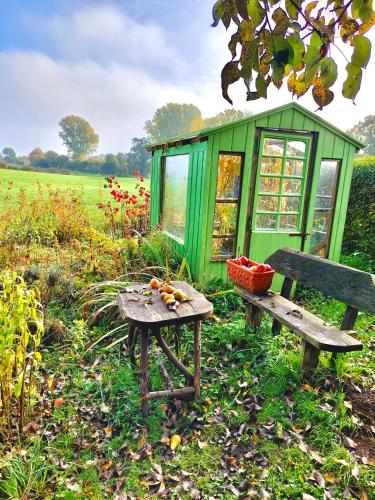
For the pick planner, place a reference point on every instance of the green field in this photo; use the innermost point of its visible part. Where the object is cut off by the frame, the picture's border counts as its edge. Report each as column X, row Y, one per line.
column 89, row 187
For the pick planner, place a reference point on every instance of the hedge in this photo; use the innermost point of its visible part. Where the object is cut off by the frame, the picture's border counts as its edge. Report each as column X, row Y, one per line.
column 359, row 232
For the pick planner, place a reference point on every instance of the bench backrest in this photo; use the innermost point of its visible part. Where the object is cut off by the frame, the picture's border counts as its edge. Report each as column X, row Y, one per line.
column 354, row 288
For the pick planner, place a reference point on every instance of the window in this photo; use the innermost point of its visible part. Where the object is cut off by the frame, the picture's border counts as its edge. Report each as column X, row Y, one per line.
column 324, row 206
column 281, row 184
column 226, row 206
column 176, row 170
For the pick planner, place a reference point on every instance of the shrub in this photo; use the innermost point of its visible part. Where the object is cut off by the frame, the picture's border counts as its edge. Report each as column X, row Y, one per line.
column 128, row 212
column 52, row 216
column 360, row 218
column 21, row 329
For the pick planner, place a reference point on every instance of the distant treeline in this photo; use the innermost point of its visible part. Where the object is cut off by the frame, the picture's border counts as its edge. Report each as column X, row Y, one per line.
column 120, row 164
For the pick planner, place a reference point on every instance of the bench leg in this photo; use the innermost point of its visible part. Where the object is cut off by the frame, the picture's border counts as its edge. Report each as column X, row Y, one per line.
column 310, row 358
column 197, row 360
column 144, row 380
column 253, row 316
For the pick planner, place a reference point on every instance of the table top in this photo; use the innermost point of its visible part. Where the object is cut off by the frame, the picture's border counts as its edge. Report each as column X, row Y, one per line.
column 143, row 309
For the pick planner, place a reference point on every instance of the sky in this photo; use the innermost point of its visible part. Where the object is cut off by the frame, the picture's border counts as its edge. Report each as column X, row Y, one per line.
column 114, row 62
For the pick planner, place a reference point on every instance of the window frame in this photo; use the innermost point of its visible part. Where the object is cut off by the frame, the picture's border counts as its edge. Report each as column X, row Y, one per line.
column 286, row 137
column 332, row 209
column 162, row 192
column 223, row 258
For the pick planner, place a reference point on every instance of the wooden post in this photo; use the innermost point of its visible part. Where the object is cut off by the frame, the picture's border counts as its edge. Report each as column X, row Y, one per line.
column 347, row 323
column 310, row 358
column 285, row 292
column 197, row 359
column 144, row 364
column 253, row 316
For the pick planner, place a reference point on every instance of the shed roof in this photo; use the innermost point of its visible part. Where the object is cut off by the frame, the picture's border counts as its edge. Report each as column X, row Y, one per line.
column 202, row 134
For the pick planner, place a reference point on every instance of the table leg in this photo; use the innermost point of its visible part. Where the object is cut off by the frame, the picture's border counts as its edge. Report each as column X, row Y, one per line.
column 144, row 364
column 176, row 334
column 131, row 342
column 197, row 359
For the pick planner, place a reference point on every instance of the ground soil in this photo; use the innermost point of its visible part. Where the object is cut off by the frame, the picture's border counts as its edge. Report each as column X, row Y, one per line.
column 364, row 407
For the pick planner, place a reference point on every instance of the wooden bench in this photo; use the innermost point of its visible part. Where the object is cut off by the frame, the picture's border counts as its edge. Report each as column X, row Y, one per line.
column 355, row 288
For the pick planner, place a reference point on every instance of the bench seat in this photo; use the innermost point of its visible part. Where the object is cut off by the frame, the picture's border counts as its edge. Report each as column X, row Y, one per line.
column 308, row 326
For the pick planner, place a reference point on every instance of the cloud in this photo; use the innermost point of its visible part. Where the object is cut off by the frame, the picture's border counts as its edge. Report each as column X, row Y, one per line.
column 38, row 91
column 114, row 71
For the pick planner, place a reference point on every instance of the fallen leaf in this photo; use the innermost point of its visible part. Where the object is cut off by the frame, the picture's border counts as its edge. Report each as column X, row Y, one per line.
column 108, row 431
column 264, row 495
column 317, row 457
column 175, row 441
column 356, row 471
column 161, row 488
column 349, row 442
column 202, row 444
column 363, row 494
column 348, row 404
column 303, row 447
column 319, row 478
column 104, row 408
column 331, row 477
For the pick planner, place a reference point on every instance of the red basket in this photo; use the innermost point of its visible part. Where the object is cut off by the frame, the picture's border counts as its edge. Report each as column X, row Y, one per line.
column 257, row 283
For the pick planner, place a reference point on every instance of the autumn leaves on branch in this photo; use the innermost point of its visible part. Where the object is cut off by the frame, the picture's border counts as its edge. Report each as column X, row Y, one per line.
column 295, row 40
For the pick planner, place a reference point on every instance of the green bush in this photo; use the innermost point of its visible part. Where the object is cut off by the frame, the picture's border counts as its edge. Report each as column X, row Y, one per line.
column 360, row 219
column 21, row 330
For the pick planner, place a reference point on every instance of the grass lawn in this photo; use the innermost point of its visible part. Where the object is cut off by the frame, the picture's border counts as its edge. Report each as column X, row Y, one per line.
column 89, row 187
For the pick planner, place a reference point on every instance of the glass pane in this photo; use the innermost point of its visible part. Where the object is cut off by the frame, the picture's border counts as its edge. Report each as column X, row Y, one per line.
column 291, row 186
column 225, row 219
column 296, row 148
column 269, row 185
column 268, row 203
column 323, row 202
column 174, row 199
column 327, row 176
column 288, row 222
column 273, row 147
column 294, row 167
column 271, row 166
column 228, row 176
column 319, row 232
column 321, row 221
column 289, row 204
column 266, row 221
column 223, row 247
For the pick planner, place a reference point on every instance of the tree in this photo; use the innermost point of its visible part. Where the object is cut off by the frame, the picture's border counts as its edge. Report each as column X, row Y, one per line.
column 35, row 157
column 9, row 155
column 226, row 116
column 364, row 131
column 171, row 120
column 78, row 136
column 138, row 157
column 124, row 164
column 297, row 42
column 111, row 165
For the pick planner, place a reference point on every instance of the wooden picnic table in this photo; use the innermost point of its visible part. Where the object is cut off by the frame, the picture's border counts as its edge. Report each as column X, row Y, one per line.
column 146, row 314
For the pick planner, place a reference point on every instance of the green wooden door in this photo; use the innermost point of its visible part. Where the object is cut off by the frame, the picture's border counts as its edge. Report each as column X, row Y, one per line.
column 279, row 195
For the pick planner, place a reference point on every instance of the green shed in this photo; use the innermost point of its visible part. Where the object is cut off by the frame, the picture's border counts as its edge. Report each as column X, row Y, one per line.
column 277, row 179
